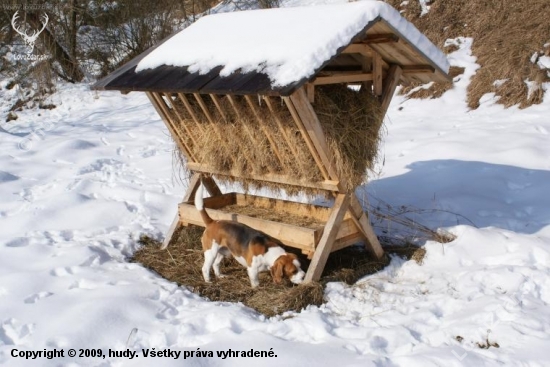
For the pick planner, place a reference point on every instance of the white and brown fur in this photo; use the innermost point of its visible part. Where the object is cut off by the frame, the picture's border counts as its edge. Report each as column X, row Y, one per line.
column 251, row 248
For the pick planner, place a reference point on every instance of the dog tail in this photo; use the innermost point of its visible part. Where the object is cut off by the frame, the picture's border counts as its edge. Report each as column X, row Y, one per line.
column 199, row 204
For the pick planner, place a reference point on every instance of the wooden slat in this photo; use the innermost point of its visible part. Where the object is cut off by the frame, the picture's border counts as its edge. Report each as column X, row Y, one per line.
column 327, row 185
column 356, row 48
column 362, row 221
column 161, row 109
column 418, row 69
column 216, row 101
column 390, row 83
column 344, row 78
column 182, row 121
column 377, row 71
column 324, row 247
column 190, row 110
column 263, row 127
column 315, row 131
column 306, row 137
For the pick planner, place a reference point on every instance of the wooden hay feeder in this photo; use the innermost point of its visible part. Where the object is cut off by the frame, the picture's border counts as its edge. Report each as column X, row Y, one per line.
column 270, row 133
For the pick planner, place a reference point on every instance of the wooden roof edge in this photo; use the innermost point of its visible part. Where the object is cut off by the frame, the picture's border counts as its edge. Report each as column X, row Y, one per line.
column 102, row 84
column 416, row 49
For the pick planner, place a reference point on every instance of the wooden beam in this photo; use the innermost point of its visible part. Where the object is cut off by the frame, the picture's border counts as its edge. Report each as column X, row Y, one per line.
column 418, row 69
column 381, row 38
column 390, row 83
column 182, row 121
column 161, row 109
column 326, row 185
column 377, row 71
column 324, row 247
column 216, row 101
column 363, row 224
column 343, row 78
column 357, row 48
column 306, row 138
column 315, row 131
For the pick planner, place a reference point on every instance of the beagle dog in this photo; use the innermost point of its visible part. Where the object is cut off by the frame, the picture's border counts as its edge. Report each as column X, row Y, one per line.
column 253, row 249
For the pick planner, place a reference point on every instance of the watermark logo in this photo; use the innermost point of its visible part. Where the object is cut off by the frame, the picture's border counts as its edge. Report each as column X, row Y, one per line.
column 29, row 39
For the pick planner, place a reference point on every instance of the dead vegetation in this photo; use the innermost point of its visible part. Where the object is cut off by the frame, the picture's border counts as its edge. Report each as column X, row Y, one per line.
column 507, row 35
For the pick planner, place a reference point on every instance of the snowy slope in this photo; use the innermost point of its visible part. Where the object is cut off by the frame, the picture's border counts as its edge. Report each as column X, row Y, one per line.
column 95, row 172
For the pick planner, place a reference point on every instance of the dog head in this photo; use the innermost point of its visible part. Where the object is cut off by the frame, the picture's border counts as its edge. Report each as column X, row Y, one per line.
column 287, row 266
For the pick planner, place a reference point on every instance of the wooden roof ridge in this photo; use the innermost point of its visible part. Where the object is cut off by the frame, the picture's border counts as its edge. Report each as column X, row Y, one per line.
column 175, row 79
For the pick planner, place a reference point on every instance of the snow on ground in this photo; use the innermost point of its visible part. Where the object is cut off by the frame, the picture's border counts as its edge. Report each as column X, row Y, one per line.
column 80, row 182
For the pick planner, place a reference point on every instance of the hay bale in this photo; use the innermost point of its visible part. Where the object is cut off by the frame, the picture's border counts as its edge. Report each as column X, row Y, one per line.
column 234, row 142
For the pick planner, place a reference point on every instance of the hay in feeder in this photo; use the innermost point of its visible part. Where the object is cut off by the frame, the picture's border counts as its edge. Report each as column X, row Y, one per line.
column 242, row 139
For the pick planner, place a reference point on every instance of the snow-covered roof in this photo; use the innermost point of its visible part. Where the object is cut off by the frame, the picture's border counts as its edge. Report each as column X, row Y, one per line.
column 278, row 48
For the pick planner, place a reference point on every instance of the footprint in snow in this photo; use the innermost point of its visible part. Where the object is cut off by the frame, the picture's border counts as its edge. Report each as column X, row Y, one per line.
column 18, row 242
column 63, row 272
column 13, row 334
column 37, row 296
column 542, row 130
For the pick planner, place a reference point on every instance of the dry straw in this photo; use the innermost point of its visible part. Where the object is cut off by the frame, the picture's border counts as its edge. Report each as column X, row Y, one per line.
column 247, row 139
column 506, row 33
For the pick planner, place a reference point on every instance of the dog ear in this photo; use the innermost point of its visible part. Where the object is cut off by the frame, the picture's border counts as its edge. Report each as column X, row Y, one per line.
column 277, row 271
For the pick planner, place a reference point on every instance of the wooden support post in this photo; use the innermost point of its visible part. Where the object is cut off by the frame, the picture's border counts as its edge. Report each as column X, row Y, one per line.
column 390, row 83
column 194, row 183
column 377, row 71
column 362, row 222
column 324, row 247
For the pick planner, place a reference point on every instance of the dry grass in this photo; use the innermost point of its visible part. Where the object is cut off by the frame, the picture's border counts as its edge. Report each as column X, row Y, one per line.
column 182, row 262
column 236, row 143
column 506, row 34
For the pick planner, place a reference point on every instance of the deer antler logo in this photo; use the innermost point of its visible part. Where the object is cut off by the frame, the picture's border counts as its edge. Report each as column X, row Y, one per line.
column 29, row 39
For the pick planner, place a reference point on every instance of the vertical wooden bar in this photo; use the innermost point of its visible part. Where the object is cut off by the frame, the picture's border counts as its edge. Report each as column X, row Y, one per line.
column 310, row 90
column 363, row 224
column 377, row 71
column 181, row 119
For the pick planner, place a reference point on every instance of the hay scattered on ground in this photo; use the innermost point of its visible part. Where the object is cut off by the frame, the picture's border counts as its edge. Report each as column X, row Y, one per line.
column 506, row 33
column 182, row 262
column 275, row 216
column 235, row 143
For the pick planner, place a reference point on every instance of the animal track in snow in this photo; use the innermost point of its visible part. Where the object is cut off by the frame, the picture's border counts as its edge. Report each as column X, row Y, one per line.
column 13, row 334
column 37, row 296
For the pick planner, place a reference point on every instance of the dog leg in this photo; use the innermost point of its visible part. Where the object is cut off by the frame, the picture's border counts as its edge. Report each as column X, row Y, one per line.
column 253, row 275
column 216, row 266
column 209, row 258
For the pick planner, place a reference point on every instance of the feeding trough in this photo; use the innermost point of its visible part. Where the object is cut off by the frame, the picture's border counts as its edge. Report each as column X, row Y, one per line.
column 290, row 99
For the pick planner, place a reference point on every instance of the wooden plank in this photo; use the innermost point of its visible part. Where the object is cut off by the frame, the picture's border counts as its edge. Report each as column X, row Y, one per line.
column 217, row 202
column 263, row 127
column 306, row 137
column 294, row 236
column 281, row 127
column 324, row 247
column 327, row 185
column 377, row 71
column 210, row 185
column 418, row 69
column 390, row 83
column 204, row 108
column 357, row 48
column 161, row 109
column 315, row 132
column 344, row 78
column 349, row 240
column 362, row 221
